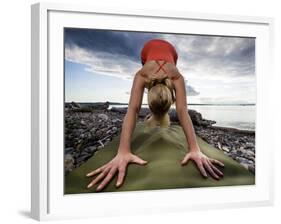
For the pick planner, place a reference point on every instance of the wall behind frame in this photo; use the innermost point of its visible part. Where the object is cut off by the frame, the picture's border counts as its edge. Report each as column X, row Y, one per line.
column 15, row 109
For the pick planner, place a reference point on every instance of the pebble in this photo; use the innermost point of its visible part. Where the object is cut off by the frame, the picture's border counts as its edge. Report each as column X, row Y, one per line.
column 116, row 120
column 91, row 149
column 99, row 147
column 224, row 148
column 103, row 117
column 250, row 145
column 69, row 150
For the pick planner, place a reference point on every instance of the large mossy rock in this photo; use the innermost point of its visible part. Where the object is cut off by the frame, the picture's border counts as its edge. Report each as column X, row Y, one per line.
column 163, row 148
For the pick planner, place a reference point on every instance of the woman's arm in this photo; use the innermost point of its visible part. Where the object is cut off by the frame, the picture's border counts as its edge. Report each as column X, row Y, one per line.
column 130, row 118
column 184, row 118
column 202, row 161
column 124, row 156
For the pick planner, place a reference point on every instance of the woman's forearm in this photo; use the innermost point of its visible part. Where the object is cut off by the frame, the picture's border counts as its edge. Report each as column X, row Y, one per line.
column 128, row 127
column 188, row 128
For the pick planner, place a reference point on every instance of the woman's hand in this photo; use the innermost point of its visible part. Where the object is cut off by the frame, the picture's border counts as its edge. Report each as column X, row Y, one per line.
column 204, row 164
column 118, row 164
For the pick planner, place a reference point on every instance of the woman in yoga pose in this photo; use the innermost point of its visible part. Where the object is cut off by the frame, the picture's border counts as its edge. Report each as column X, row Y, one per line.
column 166, row 86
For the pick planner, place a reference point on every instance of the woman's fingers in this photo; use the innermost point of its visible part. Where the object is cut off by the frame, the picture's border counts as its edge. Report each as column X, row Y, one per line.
column 98, row 178
column 210, row 170
column 121, row 175
column 201, row 168
column 185, row 159
column 96, row 171
column 217, row 162
column 138, row 160
column 204, row 164
column 107, row 179
column 217, row 171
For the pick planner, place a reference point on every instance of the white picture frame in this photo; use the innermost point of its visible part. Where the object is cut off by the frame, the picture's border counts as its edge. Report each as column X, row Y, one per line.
column 47, row 200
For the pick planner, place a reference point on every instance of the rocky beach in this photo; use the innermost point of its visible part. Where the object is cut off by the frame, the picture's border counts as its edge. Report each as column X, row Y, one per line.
column 90, row 126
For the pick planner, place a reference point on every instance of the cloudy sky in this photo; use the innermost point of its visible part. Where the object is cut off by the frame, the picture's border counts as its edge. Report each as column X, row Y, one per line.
column 100, row 65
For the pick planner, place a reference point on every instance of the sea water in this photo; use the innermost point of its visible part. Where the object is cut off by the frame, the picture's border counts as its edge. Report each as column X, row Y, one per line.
column 237, row 116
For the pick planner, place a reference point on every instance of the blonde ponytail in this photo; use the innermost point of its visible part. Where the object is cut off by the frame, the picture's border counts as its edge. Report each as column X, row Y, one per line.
column 160, row 96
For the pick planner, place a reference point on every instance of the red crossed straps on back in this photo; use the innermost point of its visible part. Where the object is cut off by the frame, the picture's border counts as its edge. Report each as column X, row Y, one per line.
column 161, row 66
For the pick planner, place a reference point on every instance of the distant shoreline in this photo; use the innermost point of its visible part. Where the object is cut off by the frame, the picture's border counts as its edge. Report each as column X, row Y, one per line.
column 108, row 105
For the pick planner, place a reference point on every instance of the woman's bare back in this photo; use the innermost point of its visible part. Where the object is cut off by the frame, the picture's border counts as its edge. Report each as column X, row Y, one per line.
column 152, row 71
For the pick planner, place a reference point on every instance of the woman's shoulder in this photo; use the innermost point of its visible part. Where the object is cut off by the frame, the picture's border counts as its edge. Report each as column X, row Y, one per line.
column 142, row 78
column 145, row 79
column 143, row 73
column 176, row 76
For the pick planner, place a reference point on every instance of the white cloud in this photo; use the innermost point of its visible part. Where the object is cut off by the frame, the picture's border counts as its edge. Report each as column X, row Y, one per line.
column 102, row 63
